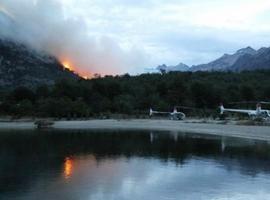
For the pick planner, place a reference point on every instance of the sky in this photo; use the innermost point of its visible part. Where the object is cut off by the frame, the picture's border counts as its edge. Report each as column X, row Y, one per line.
column 128, row 36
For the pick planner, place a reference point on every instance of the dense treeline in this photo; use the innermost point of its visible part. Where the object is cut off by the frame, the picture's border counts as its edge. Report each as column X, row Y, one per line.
column 136, row 94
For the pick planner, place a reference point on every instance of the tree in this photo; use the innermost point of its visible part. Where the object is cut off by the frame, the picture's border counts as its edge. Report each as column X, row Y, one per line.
column 24, row 108
column 247, row 93
column 22, row 93
column 42, row 91
column 124, row 104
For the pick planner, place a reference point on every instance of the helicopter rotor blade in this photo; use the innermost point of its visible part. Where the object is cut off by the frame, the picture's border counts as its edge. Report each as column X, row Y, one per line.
column 186, row 107
column 243, row 102
column 249, row 102
column 193, row 108
column 264, row 102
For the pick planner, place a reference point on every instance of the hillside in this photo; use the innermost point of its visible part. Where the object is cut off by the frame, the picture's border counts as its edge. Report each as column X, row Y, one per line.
column 225, row 62
column 260, row 60
column 23, row 66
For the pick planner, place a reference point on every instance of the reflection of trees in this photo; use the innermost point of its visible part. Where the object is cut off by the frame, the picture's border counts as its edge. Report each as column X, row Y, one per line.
column 24, row 155
column 250, row 157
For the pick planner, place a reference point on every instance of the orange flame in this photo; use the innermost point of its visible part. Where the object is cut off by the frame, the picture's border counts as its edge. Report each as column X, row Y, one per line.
column 67, row 65
column 70, row 66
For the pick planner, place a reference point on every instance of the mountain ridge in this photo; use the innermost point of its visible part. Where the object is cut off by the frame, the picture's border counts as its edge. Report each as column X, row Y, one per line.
column 21, row 65
column 179, row 67
column 243, row 59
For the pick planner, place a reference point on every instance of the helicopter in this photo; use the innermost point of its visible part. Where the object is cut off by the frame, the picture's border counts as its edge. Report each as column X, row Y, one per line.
column 259, row 113
column 175, row 115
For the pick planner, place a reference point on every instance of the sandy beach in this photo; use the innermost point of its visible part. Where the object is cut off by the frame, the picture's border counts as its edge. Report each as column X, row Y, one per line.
column 252, row 132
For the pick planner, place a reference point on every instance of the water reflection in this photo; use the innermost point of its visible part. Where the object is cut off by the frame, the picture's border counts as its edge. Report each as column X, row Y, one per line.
column 131, row 165
column 68, row 167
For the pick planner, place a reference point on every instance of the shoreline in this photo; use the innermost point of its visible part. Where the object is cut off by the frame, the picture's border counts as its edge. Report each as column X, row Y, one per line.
column 228, row 130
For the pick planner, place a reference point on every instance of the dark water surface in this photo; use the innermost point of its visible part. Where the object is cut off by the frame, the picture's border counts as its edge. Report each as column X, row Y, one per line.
column 123, row 165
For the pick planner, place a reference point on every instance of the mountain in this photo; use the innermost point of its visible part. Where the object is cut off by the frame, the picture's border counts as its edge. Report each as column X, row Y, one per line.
column 248, row 62
column 246, row 59
column 22, row 66
column 225, row 62
column 180, row 67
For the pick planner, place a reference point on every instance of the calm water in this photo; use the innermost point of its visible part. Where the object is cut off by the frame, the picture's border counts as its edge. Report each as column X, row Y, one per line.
column 131, row 165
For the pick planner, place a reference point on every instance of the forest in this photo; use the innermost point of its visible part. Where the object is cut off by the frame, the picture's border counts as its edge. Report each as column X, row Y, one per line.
column 201, row 92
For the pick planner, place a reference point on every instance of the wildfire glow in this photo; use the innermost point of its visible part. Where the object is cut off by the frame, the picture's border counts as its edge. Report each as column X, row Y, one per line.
column 67, row 65
column 70, row 66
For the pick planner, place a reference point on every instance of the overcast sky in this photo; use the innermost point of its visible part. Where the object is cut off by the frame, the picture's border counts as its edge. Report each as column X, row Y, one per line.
column 118, row 36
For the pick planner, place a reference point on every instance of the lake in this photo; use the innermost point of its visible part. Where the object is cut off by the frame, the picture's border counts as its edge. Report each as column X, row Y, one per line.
column 131, row 165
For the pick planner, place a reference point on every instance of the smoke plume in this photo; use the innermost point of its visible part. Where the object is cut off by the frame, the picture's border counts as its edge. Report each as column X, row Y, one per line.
column 46, row 26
